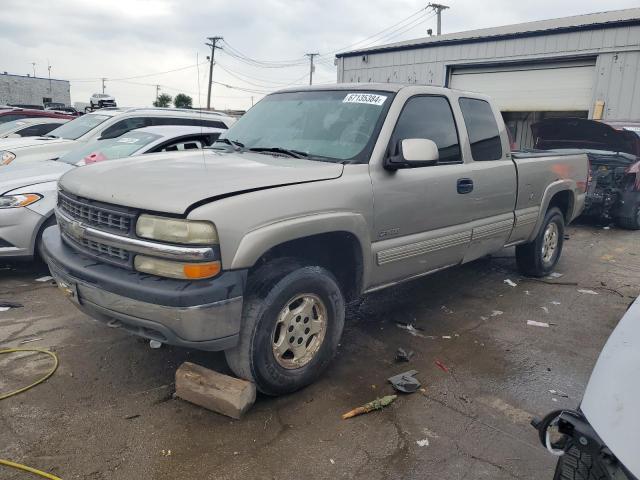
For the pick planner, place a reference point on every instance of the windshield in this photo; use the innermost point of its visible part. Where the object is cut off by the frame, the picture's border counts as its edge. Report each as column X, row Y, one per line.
column 336, row 124
column 9, row 127
column 78, row 127
column 110, row 149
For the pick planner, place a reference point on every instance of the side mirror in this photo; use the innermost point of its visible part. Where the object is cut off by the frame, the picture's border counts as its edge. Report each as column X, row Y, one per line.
column 413, row 153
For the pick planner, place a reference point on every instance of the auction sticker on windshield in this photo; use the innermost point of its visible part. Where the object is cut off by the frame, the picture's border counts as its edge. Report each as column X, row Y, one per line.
column 128, row 140
column 367, row 98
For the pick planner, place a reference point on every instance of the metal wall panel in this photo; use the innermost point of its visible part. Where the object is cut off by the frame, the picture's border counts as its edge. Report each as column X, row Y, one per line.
column 617, row 73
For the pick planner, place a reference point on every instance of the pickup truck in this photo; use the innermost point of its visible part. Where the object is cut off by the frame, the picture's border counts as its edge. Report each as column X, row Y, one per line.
column 316, row 196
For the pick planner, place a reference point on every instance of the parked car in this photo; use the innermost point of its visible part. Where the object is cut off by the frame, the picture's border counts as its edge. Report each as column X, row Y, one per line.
column 104, row 124
column 613, row 150
column 26, row 106
column 600, row 439
column 30, row 127
column 314, row 197
column 101, row 100
column 66, row 110
column 28, row 191
column 10, row 114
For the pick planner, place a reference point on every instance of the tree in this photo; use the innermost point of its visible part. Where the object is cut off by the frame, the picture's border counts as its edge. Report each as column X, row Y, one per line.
column 182, row 101
column 163, row 100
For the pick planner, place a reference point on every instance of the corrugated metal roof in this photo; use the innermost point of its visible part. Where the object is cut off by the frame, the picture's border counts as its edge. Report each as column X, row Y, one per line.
column 540, row 27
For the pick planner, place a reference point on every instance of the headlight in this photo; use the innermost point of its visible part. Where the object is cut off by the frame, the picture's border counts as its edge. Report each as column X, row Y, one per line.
column 20, row 200
column 6, row 157
column 175, row 230
column 171, row 269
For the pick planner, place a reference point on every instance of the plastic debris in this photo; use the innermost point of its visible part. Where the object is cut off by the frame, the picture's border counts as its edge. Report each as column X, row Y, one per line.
column 510, row 283
column 7, row 304
column 545, row 309
column 4, row 309
column 30, row 340
column 446, row 309
column 527, row 292
column 606, row 228
column 484, row 318
column 587, row 292
column 403, row 355
column 405, row 382
column 533, row 323
column 46, row 278
column 377, row 404
column 555, row 302
column 555, row 275
column 423, row 443
column 442, row 366
column 409, row 328
column 446, row 337
column 155, row 344
column 559, row 393
column 333, row 462
column 166, row 453
column 496, row 313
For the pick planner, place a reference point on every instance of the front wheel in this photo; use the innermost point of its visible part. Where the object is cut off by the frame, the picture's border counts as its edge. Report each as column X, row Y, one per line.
column 539, row 257
column 577, row 464
column 290, row 330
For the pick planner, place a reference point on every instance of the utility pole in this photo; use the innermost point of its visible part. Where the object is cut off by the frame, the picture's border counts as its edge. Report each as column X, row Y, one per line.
column 213, row 43
column 34, row 68
column 103, row 79
column 311, row 67
column 49, row 69
column 437, row 7
column 157, row 92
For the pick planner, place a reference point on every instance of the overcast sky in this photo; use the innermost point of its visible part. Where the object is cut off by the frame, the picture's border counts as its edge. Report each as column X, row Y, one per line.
column 84, row 40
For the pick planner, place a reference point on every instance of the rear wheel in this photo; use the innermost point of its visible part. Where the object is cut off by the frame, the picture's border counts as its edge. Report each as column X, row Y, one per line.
column 290, row 328
column 578, row 465
column 632, row 222
column 539, row 257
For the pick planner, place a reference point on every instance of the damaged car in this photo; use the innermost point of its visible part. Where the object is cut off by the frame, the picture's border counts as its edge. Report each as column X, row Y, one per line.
column 613, row 193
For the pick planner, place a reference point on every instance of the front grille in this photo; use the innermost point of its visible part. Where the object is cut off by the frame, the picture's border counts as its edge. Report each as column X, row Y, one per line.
column 102, row 249
column 96, row 214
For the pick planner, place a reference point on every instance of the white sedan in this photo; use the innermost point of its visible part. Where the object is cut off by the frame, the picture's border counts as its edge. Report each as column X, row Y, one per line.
column 30, row 127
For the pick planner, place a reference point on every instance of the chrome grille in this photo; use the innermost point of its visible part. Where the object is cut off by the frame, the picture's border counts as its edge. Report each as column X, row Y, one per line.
column 102, row 249
column 96, row 214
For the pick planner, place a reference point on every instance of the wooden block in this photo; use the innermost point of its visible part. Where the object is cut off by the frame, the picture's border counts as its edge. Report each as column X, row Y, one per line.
column 212, row 390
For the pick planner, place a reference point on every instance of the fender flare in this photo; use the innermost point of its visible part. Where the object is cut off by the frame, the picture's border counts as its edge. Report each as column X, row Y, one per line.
column 257, row 242
column 553, row 188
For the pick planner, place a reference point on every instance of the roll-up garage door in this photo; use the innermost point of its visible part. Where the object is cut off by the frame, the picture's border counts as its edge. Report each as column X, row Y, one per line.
column 563, row 86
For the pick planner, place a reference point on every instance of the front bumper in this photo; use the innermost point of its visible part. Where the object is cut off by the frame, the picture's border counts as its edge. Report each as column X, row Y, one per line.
column 18, row 230
column 204, row 314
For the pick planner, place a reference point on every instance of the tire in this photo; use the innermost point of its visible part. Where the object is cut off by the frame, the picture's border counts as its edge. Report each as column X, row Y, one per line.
column 578, row 465
column 630, row 223
column 267, row 318
column 530, row 258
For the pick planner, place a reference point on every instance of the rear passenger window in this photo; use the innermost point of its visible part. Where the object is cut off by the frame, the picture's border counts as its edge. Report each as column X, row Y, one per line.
column 429, row 117
column 188, row 121
column 482, row 129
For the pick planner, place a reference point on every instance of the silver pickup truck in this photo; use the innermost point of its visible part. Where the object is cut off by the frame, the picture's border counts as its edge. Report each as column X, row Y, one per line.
column 314, row 197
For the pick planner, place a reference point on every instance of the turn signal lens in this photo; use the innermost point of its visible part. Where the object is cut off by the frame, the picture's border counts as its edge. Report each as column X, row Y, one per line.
column 6, row 157
column 181, row 270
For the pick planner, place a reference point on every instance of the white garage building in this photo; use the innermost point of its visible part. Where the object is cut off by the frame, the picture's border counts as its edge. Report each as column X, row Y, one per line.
column 586, row 66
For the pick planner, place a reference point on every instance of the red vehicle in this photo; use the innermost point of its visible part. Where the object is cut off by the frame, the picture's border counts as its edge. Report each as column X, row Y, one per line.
column 9, row 114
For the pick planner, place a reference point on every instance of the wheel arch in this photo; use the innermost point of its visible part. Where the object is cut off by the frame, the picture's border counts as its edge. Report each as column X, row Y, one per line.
column 561, row 194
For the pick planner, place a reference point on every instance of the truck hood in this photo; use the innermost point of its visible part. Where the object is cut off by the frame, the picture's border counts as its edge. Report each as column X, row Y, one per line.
column 13, row 144
column 610, row 402
column 18, row 176
column 172, row 182
column 559, row 133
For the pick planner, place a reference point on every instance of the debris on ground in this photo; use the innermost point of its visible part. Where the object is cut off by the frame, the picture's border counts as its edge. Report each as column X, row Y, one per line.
column 555, row 275
column 423, row 443
column 446, row 309
column 510, row 283
column 6, row 305
column 212, row 390
column 131, row 417
column 166, row 453
column 405, row 382
column 496, row 313
column 483, row 318
column 155, row 344
column 333, row 462
column 464, row 398
column 403, row 355
column 545, row 309
column 46, row 278
column 533, row 323
column 446, row 337
column 559, row 393
column 29, row 340
column 411, row 329
column 587, row 292
column 555, row 302
column 442, row 366
column 377, row 404
column 527, row 292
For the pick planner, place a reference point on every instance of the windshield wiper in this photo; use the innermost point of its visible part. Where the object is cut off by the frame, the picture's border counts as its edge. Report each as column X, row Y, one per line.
column 233, row 143
column 285, row 151
column 48, row 135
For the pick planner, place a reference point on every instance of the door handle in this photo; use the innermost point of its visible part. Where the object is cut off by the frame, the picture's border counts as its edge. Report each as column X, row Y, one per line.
column 465, row 185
